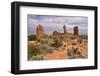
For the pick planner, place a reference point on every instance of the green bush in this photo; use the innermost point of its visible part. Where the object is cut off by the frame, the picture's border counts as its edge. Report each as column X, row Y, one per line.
column 79, row 40
column 45, row 36
column 39, row 39
column 47, row 48
column 32, row 37
column 50, row 36
column 33, row 50
column 44, row 41
column 57, row 42
column 72, row 37
column 37, row 57
column 62, row 37
column 84, row 36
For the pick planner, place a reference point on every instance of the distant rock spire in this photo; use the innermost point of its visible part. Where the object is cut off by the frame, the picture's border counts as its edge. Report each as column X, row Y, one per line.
column 40, row 30
column 75, row 30
column 65, row 30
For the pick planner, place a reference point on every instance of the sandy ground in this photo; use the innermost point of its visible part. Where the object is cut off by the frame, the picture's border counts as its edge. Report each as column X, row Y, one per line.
column 62, row 53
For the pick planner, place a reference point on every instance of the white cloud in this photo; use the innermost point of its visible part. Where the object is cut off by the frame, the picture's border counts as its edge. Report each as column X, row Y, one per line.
column 52, row 23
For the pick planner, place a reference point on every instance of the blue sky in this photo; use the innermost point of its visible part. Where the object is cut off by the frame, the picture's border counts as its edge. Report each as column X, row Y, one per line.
column 55, row 23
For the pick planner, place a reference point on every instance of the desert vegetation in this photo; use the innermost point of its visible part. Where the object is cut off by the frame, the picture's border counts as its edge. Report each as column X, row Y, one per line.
column 49, row 47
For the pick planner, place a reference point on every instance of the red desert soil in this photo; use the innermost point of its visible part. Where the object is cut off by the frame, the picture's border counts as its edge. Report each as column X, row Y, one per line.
column 62, row 54
column 55, row 55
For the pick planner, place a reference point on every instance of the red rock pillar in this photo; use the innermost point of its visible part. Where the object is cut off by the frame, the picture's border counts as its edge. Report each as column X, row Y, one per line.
column 65, row 30
column 40, row 30
column 75, row 30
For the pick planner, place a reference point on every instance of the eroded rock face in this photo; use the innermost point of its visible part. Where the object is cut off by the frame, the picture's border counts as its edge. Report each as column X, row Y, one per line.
column 40, row 30
column 55, row 33
column 65, row 30
column 75, row 30
column 60, row 33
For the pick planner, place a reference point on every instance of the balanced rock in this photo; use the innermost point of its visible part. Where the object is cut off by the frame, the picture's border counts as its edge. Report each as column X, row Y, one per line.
column 75, row 30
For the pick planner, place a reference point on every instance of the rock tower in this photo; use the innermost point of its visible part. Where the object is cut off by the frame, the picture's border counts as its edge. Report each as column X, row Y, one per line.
column 65, row 30
column 40, row 30
column 75, row 30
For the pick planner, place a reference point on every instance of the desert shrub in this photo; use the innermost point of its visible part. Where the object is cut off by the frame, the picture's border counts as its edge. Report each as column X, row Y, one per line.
column 73, row 37
column 50, row 36
column 57, row 42
column 46, row 36
column 50, row 42
column 63, row 37
column 38, row 39
column 86, row 41
column 32, row 37
column 84, row 36
column 33, row 50
column 47, row 48
column 37, row 57
column 79, row 40
column 54, row 37
column 44, row 41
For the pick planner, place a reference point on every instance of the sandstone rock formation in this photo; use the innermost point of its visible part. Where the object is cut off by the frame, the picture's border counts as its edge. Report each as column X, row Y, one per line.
column 40, row 30
column 65, row 30
column 55, row 33
column 75, row 30
column 60, row 33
